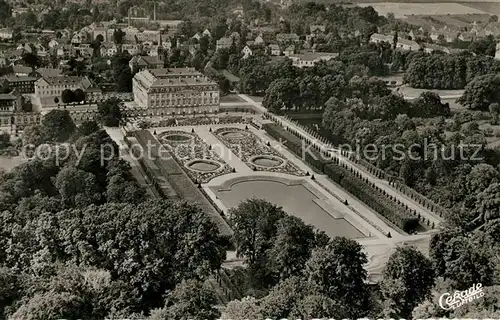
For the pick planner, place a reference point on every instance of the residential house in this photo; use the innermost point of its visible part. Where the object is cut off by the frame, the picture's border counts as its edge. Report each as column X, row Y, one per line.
column 378, row 38
column 309, row 59
column 207, row 33
column 101, row 32
column 149, row 35
column 108, row 49
column 9, row 104
column 466, row 37
column 79, row 37
column 132, row 49
column 246, row 51
column 6, row 34
column 22, row 84
column 275, row 49
column 47, row 72
column 20, row 70
column 224, row 43
column 284, row 37
column 139, row 63
column 167, row 44
column 408, row 45
column 431, row 47
column 151, row 50
column 197, row 36
column 289, row 50
column 53, row 43
column 258, row 40
column 317, row 28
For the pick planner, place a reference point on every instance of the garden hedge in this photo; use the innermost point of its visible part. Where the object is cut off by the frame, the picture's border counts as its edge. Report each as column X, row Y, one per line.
column 351, row 182
column 372, row 197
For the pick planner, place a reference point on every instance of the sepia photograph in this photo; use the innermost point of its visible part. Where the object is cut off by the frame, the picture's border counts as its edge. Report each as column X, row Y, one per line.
column 249, row 159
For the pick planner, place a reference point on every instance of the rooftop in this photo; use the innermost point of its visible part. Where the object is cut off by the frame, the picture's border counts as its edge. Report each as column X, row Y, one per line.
column 311, row 56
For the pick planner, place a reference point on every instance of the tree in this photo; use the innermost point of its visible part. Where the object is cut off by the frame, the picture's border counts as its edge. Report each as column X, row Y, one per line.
column 283, row 298
column 58, row 126
column 124, row 80
column 254, row 224
column 429, row 105
column 408, row 279
column 481, row 92
column 77, row 187
column 118, row 36
column 5, row 11
column 50, row 306
column 338, row 273
column 87, row 128
column 189, row 300
column 10, row 287
column 319, row 307
column 109, row 112
column 280, row 95
column 246, row 308
column 78, row 95
column 292, row 247
column 494, row 109
column 31, row 59
column 121, row 190
column 4, row 140
column 67, row 96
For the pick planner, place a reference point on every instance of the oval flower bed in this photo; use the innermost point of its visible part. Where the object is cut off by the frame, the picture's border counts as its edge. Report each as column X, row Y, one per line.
column 191, row 152
column 249, row 148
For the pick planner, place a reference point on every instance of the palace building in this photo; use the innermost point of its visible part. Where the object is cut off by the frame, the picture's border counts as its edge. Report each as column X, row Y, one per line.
column 175, row 91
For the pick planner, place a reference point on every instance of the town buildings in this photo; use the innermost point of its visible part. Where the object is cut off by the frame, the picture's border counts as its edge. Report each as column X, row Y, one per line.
column 175, row 91
column 22, row 84
column 309, row 59
column 48, row 90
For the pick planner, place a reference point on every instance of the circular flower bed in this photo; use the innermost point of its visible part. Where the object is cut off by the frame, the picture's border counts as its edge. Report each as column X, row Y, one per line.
column 254, row 152
column 200, row 162
column 267, row 161
column 204, row 165
column 178, row 137
column 235, row 134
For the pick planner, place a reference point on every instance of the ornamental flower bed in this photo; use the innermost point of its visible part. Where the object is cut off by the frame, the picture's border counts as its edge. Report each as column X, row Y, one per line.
column 185, row 151
column 248, row 146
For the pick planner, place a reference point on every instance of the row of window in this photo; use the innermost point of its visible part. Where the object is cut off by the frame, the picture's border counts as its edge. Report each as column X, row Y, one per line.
column 183, row 102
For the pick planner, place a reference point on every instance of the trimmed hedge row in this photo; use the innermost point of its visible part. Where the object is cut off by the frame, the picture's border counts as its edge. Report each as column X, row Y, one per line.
column 350, row 181
column 301, row 148
column 375, row 199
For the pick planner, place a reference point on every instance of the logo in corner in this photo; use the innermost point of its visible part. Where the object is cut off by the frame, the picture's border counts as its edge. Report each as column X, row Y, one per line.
column 449, row 301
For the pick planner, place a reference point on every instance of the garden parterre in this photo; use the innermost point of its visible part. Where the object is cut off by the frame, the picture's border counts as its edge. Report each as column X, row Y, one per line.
column 247, row 146
column 185, row 151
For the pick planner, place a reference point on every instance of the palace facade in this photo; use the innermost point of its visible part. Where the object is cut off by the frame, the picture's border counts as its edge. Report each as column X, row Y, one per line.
column 175, row 91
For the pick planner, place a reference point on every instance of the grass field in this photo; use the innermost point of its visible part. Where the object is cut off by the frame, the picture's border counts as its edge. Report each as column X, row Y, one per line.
column 440, row 21
column 402, row 10
column 231, row 98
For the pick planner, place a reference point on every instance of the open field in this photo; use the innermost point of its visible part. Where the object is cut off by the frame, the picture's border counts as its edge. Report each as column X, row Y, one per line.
column 454, row 21
column 401, row 10
column 490, row 7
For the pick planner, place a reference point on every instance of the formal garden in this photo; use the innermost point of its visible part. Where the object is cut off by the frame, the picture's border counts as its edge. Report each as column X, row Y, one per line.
column 256, row 154
column 201, row 163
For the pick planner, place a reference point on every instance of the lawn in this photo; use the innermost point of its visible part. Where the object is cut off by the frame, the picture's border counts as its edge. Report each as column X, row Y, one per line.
column 231, row 98
column 8, row 163
column 410, row 92
column 401, row 10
